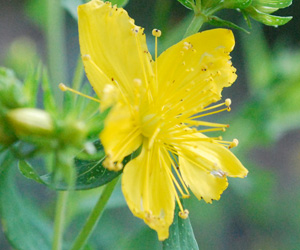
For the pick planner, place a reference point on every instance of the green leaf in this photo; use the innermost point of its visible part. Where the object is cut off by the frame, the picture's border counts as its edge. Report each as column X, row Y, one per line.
column 29, row 172
column 181, row 234
column 274, row 3
column 268, row 19
column 49, row 101
column 90, row 173
column 234, row 4
column 187, row 3
column 24, row 225
column 31, row 84
column 119, row 3
column 216, row 21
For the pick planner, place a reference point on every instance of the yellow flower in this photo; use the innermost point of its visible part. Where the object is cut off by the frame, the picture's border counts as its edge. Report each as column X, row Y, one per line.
column 156, row 105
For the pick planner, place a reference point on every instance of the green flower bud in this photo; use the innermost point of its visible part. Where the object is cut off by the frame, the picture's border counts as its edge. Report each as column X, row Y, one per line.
column 11, row 91
column 72, row 132
column 29, row 122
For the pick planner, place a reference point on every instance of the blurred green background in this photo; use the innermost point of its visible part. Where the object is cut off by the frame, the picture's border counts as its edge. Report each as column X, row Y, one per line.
column 259, row 212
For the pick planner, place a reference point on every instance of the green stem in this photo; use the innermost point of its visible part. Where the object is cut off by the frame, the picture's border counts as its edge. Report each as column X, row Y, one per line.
column 195, row 25
column 59, row 221
column 94, row 216
column 55, row 37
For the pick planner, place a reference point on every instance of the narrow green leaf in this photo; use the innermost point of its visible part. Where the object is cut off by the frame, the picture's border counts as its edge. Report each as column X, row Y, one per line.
column 181, row 235
column 29, row 172
column 49, row 101
column 31, row 85
column 24, row 225
column 187, row 3
column 216, row 21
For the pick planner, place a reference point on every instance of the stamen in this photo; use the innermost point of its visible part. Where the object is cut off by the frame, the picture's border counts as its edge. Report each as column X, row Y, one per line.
column 212, row 113
column 156, row 33
column 234, row 143
column 208, row 124
column 184, row 214
column 151, row 141
column 65, row 88
column 179, row 176
column 228, row 102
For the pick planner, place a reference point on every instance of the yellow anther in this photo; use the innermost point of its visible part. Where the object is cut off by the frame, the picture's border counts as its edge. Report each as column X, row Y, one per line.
column 186, row 196
column 62, row 87
column 234, row 143
column 228, row 102
column 184, row 214
column 156, row 32
column 119, row 166
column 86, row 57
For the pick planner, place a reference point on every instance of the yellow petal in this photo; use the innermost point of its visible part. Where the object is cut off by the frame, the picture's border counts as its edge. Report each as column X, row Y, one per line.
column 203, row 184
column 222, row 158
column 199, row 64
column 120, row 136
column 113, row 48
column 148, row 189
column 205, row 165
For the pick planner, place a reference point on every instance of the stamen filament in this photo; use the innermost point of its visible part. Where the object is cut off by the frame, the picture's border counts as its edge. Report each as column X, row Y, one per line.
column 63, row 87
column 211, row 113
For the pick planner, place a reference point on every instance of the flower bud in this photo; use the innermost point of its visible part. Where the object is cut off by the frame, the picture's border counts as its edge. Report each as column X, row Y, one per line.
column 30, row 122
column 11, row 94
column 72, row 132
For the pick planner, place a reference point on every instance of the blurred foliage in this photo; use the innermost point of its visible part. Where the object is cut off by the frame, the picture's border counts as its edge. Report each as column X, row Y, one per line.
column 259, row 213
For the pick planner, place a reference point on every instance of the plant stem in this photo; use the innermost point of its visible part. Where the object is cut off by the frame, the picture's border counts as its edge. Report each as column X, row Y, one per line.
column 55, row 37
column 195, row 25
column 59, row 221
column 94, row 216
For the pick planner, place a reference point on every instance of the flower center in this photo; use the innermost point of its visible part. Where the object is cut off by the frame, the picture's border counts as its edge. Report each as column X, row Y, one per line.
column 150, row 125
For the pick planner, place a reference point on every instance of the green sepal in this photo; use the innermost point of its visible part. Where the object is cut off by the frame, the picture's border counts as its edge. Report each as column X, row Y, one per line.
column 267, row 19
column 24, row 225
column 216, row 21
column 181, row 235
column 187, row 3
column 31, row 85
column 11, row 91
column 280, row 4
column 237, row 4
column 48, row 96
